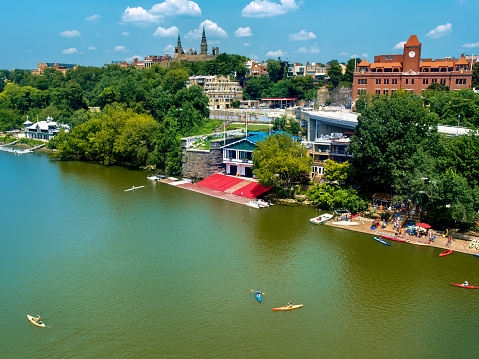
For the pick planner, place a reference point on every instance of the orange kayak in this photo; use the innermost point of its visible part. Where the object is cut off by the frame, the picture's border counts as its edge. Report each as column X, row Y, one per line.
column 289, row 308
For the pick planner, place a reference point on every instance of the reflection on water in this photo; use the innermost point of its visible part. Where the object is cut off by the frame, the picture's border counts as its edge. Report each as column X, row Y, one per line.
column 164, row 272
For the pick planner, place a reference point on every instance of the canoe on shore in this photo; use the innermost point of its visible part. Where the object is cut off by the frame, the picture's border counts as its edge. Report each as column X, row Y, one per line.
column 289, row 308
column 392, row 238
column 464, row 286
column 445, row 253
column 345, row 223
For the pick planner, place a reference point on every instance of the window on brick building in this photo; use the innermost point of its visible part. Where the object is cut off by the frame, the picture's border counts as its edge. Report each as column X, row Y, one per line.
column 386, row 92
column 407, row 81
column 378, row 91
column 386, row 81
column 412, row 81
column 425, row 81
column 378, row 81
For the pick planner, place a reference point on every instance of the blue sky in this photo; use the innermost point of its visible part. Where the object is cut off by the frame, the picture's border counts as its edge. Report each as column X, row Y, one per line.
column 93, row 33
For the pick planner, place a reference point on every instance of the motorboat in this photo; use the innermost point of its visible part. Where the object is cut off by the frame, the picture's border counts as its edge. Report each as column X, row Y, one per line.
column 263, row 203
column 253, row 204
column 321, row 219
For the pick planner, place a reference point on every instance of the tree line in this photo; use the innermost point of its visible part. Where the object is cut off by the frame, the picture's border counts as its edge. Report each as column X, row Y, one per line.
column 397, row 149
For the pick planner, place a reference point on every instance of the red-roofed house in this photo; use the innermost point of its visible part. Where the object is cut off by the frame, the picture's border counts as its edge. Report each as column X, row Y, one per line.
column 408, row 71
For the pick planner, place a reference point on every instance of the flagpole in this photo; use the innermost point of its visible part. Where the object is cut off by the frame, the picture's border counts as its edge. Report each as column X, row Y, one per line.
column 224, row 141
column 246, row 120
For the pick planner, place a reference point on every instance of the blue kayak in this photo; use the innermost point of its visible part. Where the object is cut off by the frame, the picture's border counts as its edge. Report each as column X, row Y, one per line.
column 381, row 241
column 258, row 295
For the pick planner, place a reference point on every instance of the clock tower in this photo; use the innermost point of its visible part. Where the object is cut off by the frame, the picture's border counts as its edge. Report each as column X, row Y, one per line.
column 412, row 55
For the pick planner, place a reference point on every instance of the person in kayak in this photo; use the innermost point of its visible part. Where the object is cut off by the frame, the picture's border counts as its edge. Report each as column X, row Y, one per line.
column 466, row 283
column 289, row 305
column 37, row 319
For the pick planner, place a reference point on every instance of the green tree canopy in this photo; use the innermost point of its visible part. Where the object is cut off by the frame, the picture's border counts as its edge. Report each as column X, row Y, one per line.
column 279, row 161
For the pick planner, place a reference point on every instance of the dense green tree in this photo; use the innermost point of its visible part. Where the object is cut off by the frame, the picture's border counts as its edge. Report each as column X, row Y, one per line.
column 256, row 86
column 475, row 76
column 332, row 196
column 335, row 171
column 351, row 68
column 388, row 133
column 174, row 80
column 279, row 161
column 274, row 70
column 334, row 72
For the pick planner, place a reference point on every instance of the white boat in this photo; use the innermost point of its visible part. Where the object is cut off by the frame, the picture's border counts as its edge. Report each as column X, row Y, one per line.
column 152, row 178
column 253, row 204
column 173, row 178
column 263, row 203
column 346, row 223
column 321, row 219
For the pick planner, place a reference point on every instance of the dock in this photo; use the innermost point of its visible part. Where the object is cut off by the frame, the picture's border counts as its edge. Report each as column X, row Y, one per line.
column 209, row 192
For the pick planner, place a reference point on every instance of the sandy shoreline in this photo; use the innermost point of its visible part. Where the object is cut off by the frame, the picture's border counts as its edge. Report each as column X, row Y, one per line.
column 457, row 245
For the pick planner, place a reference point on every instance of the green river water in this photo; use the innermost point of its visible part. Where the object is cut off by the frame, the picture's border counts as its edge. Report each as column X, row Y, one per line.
column 162, row 272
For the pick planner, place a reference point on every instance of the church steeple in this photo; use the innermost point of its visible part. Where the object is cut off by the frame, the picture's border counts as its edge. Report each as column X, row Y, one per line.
column 204, row 44
column 178, row 48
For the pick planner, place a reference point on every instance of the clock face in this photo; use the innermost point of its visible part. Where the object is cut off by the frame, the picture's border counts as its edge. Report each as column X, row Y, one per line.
column 412, row 54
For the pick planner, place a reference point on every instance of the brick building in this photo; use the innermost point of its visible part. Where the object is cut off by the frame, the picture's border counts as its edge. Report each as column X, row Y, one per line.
column 53, row 65
column 410, row 72
column 221, row 90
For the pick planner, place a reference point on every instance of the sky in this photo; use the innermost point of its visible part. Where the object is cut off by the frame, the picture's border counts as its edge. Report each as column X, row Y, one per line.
column 96, row 32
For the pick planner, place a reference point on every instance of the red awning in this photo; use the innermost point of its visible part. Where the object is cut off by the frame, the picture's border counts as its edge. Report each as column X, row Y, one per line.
column 423, row 225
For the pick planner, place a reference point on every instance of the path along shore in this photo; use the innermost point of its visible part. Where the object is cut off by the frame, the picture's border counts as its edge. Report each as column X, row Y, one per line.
column 457, row 245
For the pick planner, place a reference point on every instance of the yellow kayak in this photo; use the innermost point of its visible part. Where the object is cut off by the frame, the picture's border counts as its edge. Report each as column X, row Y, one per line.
column 289, row 308
column 32, row 320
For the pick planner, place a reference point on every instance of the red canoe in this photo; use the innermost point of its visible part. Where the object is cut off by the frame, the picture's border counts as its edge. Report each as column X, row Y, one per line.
column 392, row 238
column 445, row 253
column 465, row 286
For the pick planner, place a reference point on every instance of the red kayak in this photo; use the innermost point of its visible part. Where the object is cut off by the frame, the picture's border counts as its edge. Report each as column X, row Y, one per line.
column 445, row 253
column 465, row 286
column 392, row 238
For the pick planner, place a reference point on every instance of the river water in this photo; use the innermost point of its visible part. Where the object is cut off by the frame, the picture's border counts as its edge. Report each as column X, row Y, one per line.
column 162, row 272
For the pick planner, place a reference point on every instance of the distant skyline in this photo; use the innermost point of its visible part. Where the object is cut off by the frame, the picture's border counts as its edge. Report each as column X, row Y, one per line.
column 93, row 33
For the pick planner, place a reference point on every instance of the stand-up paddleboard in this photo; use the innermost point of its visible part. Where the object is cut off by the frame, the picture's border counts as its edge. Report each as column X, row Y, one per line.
column 381, row 241
column 32, row 320
column 472, row 244
column 131, row 189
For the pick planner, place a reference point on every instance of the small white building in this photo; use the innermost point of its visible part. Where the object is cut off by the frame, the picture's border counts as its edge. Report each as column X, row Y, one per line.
column 43, row 130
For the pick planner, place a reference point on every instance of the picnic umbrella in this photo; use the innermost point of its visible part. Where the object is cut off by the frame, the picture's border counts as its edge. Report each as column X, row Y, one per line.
column 423, row 225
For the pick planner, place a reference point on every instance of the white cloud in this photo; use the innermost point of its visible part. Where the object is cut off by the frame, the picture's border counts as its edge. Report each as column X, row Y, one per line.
column 400, row 45
column 440, row 31
column 139, row 16
column 169, row 49
column 302, row 50
column 70, row 51
column 343, row 53
column 92, row 48
column 243, row 32
column 176, row 7
column 246, row 44
column 120, row 49
column 302, row 35
column 266, row 8
column 212, row 30
column 471, row 45
column 73, row 33
column 162, row 32
column 354, row 56
column 364, row 55
column 130, row 59
column 93, row 18
column 314, row 49
column 253, row 57
column 125, row 33
column 278, row 53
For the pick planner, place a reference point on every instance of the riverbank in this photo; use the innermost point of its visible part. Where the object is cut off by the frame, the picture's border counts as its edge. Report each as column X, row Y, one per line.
column 457, row 245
